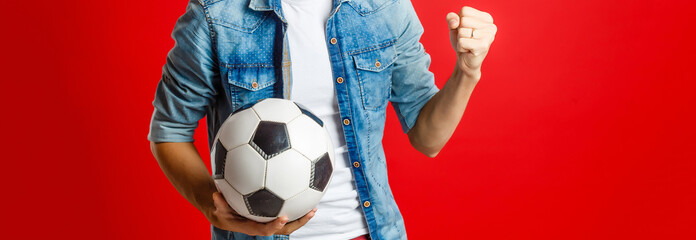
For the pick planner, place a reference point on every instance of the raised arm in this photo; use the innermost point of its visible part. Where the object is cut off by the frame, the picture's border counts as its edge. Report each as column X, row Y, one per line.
column 471, row 34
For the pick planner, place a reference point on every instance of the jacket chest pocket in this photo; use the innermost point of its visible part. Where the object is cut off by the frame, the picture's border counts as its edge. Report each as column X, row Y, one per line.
column 249, row 85
column 374, row 76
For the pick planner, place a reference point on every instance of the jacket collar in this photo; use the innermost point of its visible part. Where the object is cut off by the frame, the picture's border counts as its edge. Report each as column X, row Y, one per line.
column 271, row 5
column 274, row 5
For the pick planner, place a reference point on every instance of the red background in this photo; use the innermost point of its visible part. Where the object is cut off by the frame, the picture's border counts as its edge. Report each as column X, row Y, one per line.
column 581, row 128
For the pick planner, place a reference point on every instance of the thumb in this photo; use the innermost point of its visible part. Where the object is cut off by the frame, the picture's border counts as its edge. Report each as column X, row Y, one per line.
column 453, row 21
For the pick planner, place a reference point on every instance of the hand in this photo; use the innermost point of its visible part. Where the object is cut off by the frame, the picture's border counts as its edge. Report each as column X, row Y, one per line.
column 224, row 217
column 471, row 34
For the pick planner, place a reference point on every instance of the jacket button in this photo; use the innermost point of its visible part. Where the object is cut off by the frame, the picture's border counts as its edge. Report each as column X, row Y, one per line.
column 339, row 80
column 356, row 164
column 366, row 204
column 254, row 85
column 346, row 121
column 333, row 41
column 378, row 64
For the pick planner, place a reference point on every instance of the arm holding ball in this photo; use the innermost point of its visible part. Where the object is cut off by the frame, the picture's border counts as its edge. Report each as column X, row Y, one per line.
column 188, row 82
column 184, row 168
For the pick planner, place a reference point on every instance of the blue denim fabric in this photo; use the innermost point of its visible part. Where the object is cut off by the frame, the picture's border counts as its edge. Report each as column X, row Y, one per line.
column 230, row 53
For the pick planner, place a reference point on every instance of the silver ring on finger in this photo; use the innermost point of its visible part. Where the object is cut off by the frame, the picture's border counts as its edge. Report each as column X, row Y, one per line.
column 472, row 32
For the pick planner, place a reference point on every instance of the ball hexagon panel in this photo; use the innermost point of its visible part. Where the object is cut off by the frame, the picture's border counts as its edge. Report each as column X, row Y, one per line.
column 329, row 146
column 276, row 110
column 233, row 198
column 238, row 128
column 288, row 174
column 310, row 114
column 321, row 172
column 270, row 139
column 263, row 203
column 307, row 137
column 219, row 155
column 245, row 169
column 297, row 206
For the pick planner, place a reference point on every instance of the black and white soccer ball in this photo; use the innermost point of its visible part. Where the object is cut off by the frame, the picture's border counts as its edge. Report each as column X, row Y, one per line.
column 272, row 159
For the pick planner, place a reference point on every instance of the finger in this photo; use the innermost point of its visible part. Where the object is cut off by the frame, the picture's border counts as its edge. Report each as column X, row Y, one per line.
column 472, row 12
column 474, row 46
column 471, row 22
column 481, row 34
column 465, row 32
column 220, row 203
column 267, row 229
column 294, row 225
column 452, row 20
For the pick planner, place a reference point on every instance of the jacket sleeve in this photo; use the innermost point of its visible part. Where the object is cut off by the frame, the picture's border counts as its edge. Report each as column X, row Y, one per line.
column 412, row 82
column 190, row 75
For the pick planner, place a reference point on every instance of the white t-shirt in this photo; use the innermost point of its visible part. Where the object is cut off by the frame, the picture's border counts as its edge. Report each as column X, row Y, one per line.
column 339, row 215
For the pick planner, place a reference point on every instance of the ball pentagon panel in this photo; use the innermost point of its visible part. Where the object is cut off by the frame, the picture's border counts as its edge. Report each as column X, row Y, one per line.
column 263, row 203
column 218, row 156
column 322, row 170
column 270, row 139
column 260, row 219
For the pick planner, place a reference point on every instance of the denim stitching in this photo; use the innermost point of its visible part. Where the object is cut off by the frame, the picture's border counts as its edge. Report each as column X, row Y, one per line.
column 375, row 69
column 364, row 98
column 246, row 65
column 233, row 92
column 371, row 48
column 354, row 6
column 350, row 115
column 240, row 28
column 211, row 31
column 363, row 95
column 249, row 87
column 211, row 2
column 286, row 68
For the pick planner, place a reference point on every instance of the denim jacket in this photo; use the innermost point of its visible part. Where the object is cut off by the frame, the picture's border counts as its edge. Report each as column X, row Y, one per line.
column 230, row 53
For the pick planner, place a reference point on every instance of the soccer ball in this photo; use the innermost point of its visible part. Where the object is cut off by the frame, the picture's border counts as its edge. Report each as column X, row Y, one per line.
column 273, row 159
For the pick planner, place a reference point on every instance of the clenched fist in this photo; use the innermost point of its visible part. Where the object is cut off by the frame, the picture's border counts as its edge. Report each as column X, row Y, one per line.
column 471, row 33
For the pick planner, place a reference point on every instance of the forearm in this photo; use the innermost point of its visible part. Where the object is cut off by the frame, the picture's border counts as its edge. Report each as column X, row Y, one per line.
column 184, row 168
column 440, row 116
